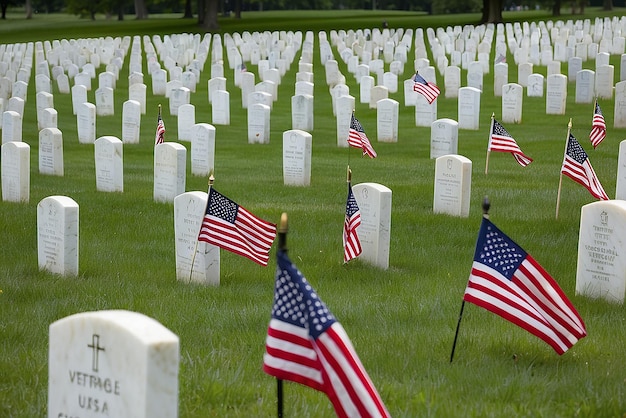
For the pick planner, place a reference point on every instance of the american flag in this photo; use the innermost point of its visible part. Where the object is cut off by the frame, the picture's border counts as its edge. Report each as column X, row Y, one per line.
column 510, row 283
column 233, row 228
column 160, row 131
column 425, row 88
column 501, row 140
column 576, row 166
column 358, row 139
column 351, row 243
column 306, row 344
column 598, row 127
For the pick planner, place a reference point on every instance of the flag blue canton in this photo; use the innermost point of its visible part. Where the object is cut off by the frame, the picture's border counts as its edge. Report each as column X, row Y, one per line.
column 598, row 110
column 296, row 302
column 496, row 250
column 575, row 150
column 351, row 206
column 419, row 79
column 356, row 125
column 222, row 207
column 499, row 130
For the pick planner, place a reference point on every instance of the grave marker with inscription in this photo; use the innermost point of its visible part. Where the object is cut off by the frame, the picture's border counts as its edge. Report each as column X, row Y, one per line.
column 374, row 201
column 601, row 269
column 57, row 235
column 297, row 147
column 453, row 183
column 15, row 172
column 112, row 363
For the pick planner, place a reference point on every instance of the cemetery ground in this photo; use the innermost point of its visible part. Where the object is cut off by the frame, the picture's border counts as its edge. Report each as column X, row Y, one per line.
column 400, row 320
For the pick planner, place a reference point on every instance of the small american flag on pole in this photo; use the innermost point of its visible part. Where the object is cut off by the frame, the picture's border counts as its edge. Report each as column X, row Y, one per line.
column 358, row 139
column 598, row 127
column 425, row 88
column 306, row 344
column 510, row 283
column 160, row 130
column 233, row 228
column 576, row 166
column 501, row 140
column 351, row 243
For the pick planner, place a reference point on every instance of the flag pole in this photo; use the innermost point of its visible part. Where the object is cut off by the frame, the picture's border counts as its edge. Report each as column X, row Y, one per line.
column 195, row 250
column 493, row 116
column 486, row 206
column 558, row 195
column 282, row 246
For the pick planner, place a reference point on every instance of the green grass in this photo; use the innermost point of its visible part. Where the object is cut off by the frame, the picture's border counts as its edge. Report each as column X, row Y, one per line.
column 401, row 320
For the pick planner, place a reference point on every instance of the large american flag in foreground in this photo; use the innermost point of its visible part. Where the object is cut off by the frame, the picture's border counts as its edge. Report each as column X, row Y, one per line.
column 510, row 283
column 351, row 243
column 306, row 344
column 233, row 228
column 576, row 166
column 501, row 140
column 425, row 88
column 358, row 139
column 598, row 126
column 160, row 131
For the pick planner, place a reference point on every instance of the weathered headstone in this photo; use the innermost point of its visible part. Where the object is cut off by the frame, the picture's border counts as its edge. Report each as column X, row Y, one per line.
column 112, row 363
column 258, row 124
column 601, row 269
column 189, row 211
column 109, row 162
column 57, row 235
column 374, row 201
column 387, row 113
column 15, row 172
column 170, row 160
column 453, row 183
column 468, row 109
column 535, row 85
column 444, row 137
column 11, row 127
column 302, row 112
column 51, row 152
column 512, row 98
column 86, row 123
column 202, row 149
column 297, row 146
column 556, row 94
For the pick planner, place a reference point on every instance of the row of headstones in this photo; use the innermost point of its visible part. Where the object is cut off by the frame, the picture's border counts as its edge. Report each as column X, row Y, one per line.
column 123, row 363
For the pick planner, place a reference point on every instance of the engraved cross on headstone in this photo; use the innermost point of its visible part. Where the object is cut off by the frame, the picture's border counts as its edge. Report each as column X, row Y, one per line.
column 95, row 346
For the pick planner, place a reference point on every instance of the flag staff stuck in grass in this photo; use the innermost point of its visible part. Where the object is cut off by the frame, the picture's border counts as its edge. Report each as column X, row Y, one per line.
column 558, row 194
column 486, row 206
column 493, row 117
column 283, row 228
column 193, row 257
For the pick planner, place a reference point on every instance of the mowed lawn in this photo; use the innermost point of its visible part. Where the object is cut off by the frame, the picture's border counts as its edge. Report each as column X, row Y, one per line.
column 401, row 320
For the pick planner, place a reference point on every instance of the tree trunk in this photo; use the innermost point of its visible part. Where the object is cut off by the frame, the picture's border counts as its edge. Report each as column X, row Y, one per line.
column 492, row 11
column 29, row 9
column 581, row 6
column 3, row 5
column 556, row 8
column 201, row 12
column 120, row 13
column 607, row 5
column 210, row 17
column 188, row 13
column 141, row 12
column 237, row 9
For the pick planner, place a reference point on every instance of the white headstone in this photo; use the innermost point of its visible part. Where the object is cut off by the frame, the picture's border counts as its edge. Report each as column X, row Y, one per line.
column 585, row 86
column 11, row 127
column 159, row 82
column 178, row 97
column 202, row 149
column 535, row 85
column 79, row 96
column 345, row 107
column 15, row 172
column 523, row 71
column 86, row 123
column 220, row 109
column 57, row 235
column 601, row 269
column 109, row 158
column 604, row 81
column 451, row 80
column 453, row 184
column 137, row 92
column 186, row 119
column 387, row 112
column 51, row 152
column 619, row 119
column 377, row 93
column 425, row 113
column 620, row 186
column 475, row 75
column 112, row 363
column 468, row 109
column 105, row 105
column 512, row 98
column 131, row 122
column 297, row 146
column 444, row 137
column 170, row 160
column 302, row 112
column 258, row 124
column 374, row 201
column 556, row 94
column 574, row 65
column 189, row 210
